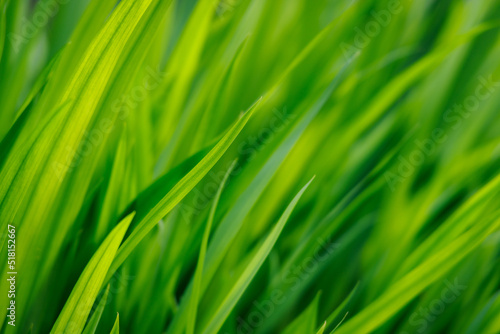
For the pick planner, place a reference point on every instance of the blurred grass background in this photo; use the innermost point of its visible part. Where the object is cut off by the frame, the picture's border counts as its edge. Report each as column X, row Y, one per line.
column 391, row 105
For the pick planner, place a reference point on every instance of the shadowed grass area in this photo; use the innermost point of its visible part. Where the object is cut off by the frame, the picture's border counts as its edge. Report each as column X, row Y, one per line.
column 250, row 166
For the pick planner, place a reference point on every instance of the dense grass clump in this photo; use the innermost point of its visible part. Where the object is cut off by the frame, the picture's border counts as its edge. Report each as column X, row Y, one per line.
column 250, row 166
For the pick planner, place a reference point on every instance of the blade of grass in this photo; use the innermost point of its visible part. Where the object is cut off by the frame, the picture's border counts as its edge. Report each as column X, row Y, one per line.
column 116, row 326
column 217, row 320
column 198, row 274
column 78, row 306
column 181, row 189
column 91, row 326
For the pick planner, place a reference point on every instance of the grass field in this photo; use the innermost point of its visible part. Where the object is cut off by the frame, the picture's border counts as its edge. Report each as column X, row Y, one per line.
column 250, row 166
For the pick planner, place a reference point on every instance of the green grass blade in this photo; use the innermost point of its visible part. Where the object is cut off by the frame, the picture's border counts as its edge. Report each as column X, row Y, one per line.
column 116, row 326
column 198, row 274
column 181, row 189
column 306, row 322
column 92, row 324
column 78, row 306
column 217, row 320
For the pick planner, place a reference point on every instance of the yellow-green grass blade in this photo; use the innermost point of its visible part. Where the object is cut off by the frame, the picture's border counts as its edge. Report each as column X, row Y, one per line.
column 306, row 322
column 342, row 307
column 233, row 219
column 77, row 308
column 184, row 63
column 322, row 329
column 407, row 288
column 116, row 326
column 198, row 274
column 149, row 26
column 217, row 320
column 181, row 189
column 92, row 324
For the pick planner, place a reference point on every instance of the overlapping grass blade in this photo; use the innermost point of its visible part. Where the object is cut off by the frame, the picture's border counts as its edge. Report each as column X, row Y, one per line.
column 175, row 195
column 78, row 306
column 217, row 319
column 92, row 324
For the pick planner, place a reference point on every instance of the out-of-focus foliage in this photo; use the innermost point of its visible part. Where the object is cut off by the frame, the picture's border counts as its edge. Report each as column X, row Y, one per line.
column 250, row 166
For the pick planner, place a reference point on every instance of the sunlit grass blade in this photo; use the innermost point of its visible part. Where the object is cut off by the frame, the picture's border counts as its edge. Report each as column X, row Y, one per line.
column 92, row 324
column 78, row 306
column 306, row 322
column 198, row 274
column 116, row 326
column 175, row 195
column 217, row 320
